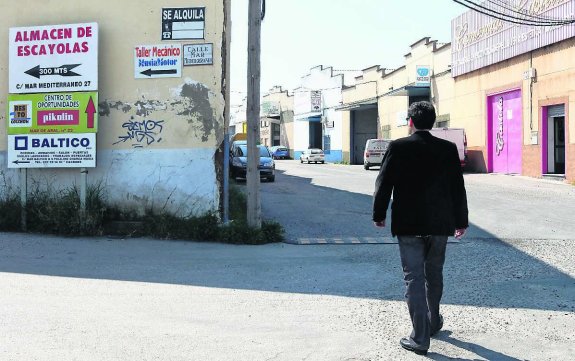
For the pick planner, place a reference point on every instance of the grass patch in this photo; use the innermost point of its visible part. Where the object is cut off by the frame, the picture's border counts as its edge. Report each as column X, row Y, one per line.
column 10, row 211
column 58, row 212
column 239, row 232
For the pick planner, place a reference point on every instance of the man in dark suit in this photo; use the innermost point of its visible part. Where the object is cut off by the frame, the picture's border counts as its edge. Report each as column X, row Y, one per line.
column 429, row 204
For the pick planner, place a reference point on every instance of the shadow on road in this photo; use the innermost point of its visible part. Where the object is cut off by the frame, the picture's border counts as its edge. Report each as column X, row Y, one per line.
column 483, row 271
column 483, row 352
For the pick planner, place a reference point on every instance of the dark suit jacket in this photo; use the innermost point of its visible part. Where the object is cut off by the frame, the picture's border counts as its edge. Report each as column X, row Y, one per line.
column 424, row 174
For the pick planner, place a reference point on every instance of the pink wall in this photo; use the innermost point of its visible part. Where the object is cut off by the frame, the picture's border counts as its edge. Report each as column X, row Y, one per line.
column 544, row 141
column 504, row 132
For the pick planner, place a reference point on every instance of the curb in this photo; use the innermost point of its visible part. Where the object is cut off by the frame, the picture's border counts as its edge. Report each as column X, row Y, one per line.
column 349, row 240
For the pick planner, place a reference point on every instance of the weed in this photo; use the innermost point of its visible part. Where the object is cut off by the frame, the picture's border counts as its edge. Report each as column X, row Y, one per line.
column 10, row 212
column 58, row 212
column 241, row 233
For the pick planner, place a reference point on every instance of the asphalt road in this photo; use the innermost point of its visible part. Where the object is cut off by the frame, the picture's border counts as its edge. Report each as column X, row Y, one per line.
column 334, row 202
column 508, row 291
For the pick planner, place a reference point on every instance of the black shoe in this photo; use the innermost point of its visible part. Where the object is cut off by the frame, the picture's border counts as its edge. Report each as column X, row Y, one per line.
column 407, row 344
column 440, row 326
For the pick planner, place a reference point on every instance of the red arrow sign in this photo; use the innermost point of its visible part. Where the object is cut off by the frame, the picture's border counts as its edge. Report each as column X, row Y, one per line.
column 90, row 110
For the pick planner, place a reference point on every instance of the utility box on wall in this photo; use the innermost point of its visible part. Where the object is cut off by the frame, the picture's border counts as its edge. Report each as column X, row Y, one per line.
column 159, row 124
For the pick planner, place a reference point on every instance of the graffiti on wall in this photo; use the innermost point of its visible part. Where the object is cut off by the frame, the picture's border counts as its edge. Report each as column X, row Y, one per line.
column 141, row 133
column 195, row 103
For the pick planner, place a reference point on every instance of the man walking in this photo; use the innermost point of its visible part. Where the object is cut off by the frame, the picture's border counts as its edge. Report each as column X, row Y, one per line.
column 429, row 204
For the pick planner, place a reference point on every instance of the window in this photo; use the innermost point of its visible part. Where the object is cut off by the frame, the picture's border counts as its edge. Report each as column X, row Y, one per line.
column 442, row 124
column 386, row 131
column 327, row 143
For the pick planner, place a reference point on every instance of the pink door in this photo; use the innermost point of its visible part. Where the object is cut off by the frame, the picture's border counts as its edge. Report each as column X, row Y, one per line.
column 505, row 132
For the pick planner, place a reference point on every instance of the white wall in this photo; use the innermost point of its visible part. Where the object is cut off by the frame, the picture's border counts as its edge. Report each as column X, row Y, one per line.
column 171, row 166
column 319, row 78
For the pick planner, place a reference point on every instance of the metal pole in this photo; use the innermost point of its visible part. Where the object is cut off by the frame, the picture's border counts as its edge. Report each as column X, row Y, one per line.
column 23, row 198
column 226, row 215
column 253, row 114
column 83, row 188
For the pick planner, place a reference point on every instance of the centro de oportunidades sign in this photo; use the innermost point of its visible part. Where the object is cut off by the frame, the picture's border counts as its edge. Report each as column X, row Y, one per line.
column 45, row 113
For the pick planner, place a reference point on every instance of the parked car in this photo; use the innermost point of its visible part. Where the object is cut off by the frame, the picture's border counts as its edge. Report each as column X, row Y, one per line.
column 312, row 155
column 239, row 162
column 279, row 152
column 454, row 135
column 374, row 151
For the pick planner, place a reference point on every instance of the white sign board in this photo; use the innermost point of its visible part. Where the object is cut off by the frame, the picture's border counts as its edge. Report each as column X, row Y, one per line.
column 183, row 23
column 423, row 75
column 53, row 58
column 401, row 118
column 198, row 54
column 158, row 61
column 306, row 104
column 52, row 150
column 316, row 100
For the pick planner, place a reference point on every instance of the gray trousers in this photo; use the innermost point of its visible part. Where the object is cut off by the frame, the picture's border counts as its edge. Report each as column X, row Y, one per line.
column 422, row 259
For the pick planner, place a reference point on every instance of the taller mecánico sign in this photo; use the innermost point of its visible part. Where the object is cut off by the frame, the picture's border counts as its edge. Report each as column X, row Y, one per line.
column 52, row 115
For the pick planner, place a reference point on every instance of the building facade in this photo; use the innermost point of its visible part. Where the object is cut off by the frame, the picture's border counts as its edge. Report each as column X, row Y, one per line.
column 376, row 106
column 317, row 124
column 509, row 86
column 160, row 101
column 276, row 115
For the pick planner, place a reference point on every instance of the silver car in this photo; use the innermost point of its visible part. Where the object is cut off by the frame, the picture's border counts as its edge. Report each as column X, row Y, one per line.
column 312, row 155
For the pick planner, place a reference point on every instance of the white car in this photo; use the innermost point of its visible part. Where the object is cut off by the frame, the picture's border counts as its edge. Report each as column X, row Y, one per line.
column 312, row 155
column 374, row 151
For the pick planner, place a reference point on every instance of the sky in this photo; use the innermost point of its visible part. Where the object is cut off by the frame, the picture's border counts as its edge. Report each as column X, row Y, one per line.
column 298, row 35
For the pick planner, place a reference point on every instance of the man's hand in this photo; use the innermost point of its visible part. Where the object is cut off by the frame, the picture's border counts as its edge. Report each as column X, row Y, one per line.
column 379, row 224
column 459, row 233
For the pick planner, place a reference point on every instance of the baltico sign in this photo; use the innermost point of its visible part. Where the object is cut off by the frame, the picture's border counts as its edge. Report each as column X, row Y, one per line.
column 52, row 151
column 54, row 58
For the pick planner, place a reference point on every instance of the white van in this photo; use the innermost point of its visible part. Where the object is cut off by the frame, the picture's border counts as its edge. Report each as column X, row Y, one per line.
column 454, row 135
column 374, row 151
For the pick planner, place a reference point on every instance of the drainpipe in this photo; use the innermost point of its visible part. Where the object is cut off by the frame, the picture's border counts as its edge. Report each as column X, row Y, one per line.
column 531, row 81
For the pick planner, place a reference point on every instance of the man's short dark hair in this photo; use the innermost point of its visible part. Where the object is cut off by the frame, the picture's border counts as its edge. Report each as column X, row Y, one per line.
column 422, row 114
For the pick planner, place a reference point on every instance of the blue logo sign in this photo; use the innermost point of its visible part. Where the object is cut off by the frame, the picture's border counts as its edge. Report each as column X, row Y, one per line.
column 423, row 71
column 21, row 143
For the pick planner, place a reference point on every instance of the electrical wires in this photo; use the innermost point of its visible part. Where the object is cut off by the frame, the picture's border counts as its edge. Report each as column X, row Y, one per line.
column 502, row 10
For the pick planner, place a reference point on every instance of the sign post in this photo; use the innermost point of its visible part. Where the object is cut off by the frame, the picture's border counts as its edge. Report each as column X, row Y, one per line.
column 51, row 118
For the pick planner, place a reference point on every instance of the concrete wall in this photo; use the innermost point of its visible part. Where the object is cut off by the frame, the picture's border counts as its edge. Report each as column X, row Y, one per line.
column 285, row 100
column 174, row 165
